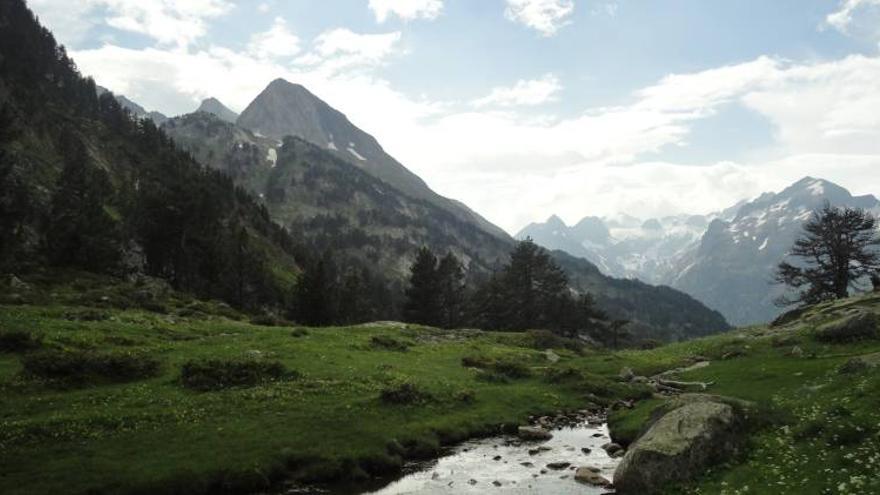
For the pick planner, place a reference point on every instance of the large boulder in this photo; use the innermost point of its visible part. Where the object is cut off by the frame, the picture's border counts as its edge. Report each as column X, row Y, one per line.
column 859, row 326
column 533, row 433
column 693, row 432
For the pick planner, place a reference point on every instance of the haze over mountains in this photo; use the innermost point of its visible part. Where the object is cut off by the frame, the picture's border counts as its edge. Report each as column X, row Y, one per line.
column 726, row 259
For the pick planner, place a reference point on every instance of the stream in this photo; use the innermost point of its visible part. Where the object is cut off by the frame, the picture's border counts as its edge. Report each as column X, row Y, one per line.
column 504, row 464
column 472, row 466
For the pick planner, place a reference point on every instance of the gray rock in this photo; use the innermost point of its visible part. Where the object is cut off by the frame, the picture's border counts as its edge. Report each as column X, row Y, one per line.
column 860, row 326
column 627, row 374
column 591, row 476
column 679, row 445
column 796, row 351
column 612, row 448
column 533, row 433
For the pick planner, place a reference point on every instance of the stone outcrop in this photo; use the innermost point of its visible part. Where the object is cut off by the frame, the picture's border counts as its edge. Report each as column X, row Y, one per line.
column 688, row 434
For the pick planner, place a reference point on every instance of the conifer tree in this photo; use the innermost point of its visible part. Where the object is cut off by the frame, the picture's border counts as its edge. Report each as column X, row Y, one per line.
column 450, row 278
column 839, row 248
column 83, row 231
column 422, row 296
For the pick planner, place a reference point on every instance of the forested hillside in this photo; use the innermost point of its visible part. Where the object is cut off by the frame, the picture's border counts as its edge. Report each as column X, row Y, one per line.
column 84, row 185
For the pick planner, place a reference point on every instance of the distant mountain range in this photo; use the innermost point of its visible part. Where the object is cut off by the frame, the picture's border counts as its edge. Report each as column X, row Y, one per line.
column 333, row 185
column 725, row 260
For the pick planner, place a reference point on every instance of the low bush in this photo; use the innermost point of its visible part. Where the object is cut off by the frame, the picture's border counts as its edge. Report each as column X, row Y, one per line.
column 403, row 393
column 511, row 369
column 563, row 375
column 81, row 367
column 473, row 361
column 218, row 374
column 466, row 396
column 389, row 343
column 299, row 332
column 545, row 339
column 492, row 377
column 18, row 341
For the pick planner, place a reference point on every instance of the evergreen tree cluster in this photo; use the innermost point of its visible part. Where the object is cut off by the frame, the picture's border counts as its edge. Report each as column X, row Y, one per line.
column 330, row 293
column 435, row 296
column 530, row 292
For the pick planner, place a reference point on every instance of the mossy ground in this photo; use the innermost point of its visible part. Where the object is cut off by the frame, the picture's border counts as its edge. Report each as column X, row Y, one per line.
column 326, row 419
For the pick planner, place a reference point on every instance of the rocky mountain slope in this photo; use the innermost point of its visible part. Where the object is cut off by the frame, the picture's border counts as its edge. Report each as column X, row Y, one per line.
column 732, row 268
column 287, row 109
column 213, row 106
column 135, row 109
column 332, row 203
column 725, row 260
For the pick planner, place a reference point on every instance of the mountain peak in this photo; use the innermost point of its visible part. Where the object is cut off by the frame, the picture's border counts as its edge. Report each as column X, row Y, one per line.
column 214, row 106
column 555, row 221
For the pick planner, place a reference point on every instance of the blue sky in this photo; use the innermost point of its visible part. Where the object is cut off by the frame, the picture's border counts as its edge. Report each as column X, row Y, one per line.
column 523, row 108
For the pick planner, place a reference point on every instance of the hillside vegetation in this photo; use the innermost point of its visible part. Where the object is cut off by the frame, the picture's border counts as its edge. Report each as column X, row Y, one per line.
column 103, row 394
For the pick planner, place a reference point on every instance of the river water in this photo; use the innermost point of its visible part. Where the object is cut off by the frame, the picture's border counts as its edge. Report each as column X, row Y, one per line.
column 505, row 465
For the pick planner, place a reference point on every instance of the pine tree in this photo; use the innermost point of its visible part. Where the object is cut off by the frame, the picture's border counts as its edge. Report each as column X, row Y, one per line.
column 314, row 295
column 83, row 231
column 839, row 248
column 533, row 283
column 422, row 297
column 450, row 277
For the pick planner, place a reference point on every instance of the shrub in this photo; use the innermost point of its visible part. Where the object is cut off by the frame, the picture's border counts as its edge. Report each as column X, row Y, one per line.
column 845, row 433
column 466, row 396
column 561, row 375
column 299, row 332
column 389, row 343
column 545, row 339
column 218, row 374
column 87, row 315
column 492, row 377
column 853, row 366
column 403, row 392
column 84, row 366
column 18, row 341
column 511, row 369
column 476, row 362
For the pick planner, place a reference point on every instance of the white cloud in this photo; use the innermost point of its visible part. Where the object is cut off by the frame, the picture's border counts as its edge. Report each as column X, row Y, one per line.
column 588, row 164
column 342, row 49
column 525, row 92
column 69, row 21
column 406, row 10
column 170, row 22
column 857, row 18
column 546, row 16
column 277, row 42
column 842, row 18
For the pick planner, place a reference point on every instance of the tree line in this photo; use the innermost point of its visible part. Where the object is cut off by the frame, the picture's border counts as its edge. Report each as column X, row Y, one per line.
column 529, row 292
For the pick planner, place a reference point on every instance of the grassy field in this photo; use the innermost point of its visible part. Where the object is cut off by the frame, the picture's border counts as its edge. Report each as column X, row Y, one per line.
column 197, row 399
column 351, row 402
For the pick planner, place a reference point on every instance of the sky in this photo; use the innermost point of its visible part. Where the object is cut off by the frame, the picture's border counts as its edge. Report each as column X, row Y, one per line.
column 527, row 108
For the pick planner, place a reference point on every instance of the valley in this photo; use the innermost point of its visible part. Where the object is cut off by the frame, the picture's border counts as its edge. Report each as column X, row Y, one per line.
column 213, row 281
